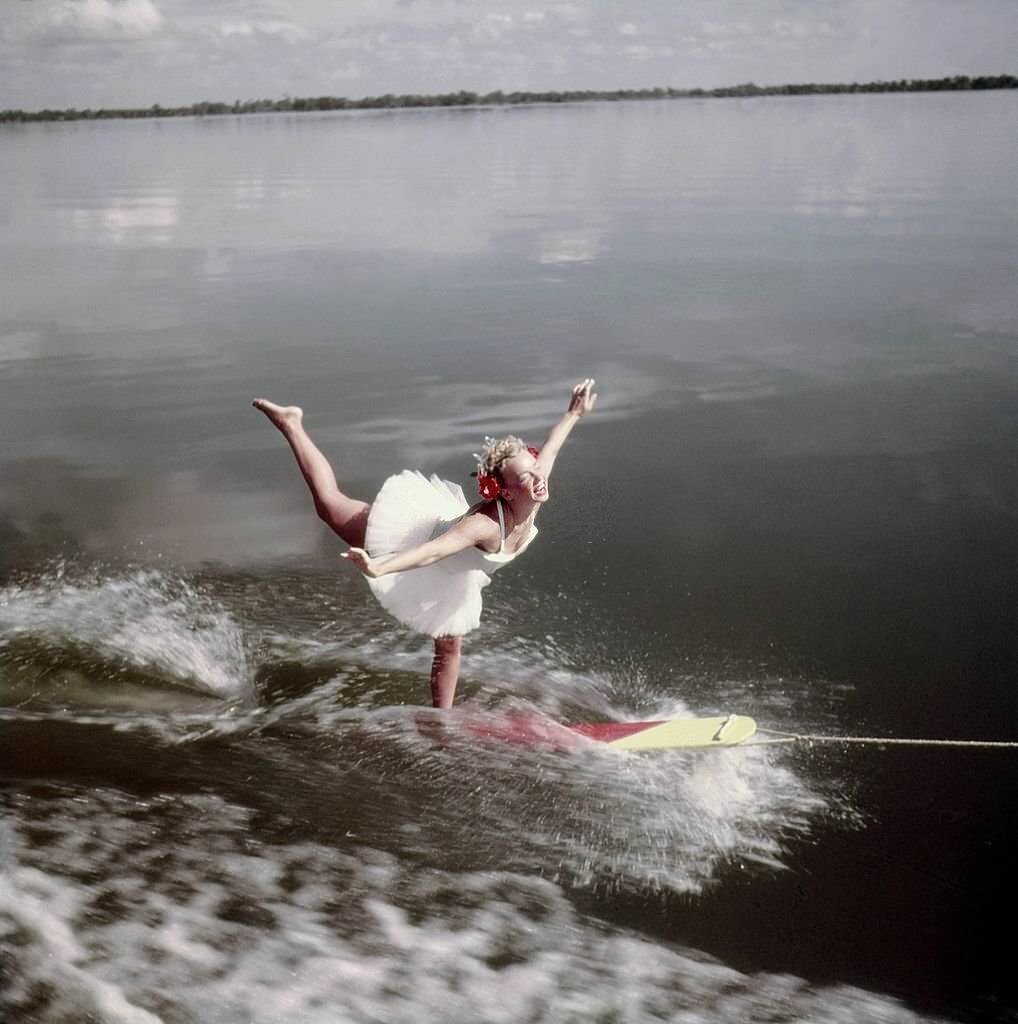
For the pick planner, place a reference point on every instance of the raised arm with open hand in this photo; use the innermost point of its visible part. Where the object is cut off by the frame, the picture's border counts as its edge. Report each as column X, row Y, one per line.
column 581, row 402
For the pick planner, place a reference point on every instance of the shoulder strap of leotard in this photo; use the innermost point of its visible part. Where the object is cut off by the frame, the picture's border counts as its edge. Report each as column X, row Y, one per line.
column 501, row 525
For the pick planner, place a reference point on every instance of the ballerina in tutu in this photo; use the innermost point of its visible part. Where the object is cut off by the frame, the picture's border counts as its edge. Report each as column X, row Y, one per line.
column 425, row 551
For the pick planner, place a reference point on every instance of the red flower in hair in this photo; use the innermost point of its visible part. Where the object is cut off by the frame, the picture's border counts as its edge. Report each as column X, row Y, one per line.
column 488, row 486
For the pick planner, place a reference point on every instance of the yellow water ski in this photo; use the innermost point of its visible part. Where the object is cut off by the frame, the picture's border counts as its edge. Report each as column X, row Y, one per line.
column 672, row 734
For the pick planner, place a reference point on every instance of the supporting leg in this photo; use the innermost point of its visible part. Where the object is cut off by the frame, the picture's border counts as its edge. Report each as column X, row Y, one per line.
column 445, row 670
column 345, row 515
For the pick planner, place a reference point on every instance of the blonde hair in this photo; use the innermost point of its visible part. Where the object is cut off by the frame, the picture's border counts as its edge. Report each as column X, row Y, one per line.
column 496, row 452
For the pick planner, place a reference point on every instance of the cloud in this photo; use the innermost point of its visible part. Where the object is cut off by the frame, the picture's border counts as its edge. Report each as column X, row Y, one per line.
column 743, row 28
column 245, row 28
column 493, row 26
column 784, row 27
column 97, row 21
column 138, row 52
column 640, row 52
column 568, row 12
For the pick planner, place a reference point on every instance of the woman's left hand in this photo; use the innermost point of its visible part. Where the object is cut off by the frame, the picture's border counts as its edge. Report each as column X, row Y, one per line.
column 363, row 561
column 583, row 398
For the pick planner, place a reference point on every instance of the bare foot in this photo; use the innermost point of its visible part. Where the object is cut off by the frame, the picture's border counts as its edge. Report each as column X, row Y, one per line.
column 283, row 416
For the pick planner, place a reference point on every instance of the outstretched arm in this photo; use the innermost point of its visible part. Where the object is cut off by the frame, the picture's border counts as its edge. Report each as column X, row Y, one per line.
column 467, row 533
column 580, row 403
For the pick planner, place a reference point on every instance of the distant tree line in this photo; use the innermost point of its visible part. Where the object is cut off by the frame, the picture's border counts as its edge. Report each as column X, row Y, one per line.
column 499, row 98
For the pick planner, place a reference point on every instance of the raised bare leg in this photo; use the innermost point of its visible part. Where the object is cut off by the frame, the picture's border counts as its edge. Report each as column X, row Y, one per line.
column 347, row 516
column 445, row 670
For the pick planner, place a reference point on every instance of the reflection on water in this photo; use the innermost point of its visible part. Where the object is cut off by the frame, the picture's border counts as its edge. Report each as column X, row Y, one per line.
column 477, row 182
column 139, row 220
column 580, row 246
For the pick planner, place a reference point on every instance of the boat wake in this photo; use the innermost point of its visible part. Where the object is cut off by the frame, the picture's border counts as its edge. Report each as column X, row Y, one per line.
column 145, row 640
column 161, row 659
column 170, row 910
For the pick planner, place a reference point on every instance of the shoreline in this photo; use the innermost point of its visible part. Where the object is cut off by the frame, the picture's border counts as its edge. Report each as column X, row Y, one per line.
column 498, row 98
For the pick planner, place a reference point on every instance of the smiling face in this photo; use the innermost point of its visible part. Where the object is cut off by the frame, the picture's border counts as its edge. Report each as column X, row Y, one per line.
column 520, row 478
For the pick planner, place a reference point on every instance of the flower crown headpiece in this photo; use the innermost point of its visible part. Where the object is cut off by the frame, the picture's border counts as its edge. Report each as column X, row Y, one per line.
column 487, row 483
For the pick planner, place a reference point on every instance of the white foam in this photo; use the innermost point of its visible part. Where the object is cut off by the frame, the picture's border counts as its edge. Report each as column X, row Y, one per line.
column 144, row 620
column 207, row 925
column 599, row 818
column 41, row 906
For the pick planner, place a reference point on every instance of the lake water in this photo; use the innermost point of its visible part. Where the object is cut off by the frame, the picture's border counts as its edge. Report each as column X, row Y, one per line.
column 797, row 499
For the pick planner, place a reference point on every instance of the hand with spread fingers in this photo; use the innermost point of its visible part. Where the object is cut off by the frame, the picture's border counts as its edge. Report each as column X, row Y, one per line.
column 583, row 397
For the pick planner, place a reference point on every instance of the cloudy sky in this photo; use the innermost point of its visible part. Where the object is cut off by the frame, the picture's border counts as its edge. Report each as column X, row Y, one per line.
column 90, row 53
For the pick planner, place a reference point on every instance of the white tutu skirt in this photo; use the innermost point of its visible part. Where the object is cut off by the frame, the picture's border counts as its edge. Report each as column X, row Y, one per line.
column 443, row 599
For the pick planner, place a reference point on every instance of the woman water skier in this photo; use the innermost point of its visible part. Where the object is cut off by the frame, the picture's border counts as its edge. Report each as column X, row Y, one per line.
column 425, row 551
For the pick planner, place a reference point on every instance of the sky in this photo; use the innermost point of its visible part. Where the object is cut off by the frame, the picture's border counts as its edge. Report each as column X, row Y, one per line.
column 94, row 53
